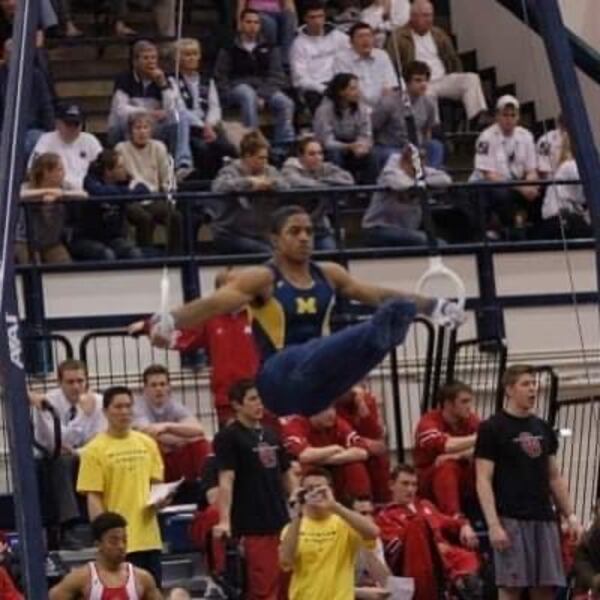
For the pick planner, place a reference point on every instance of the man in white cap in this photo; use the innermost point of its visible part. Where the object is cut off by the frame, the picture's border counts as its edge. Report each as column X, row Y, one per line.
column 505, row 151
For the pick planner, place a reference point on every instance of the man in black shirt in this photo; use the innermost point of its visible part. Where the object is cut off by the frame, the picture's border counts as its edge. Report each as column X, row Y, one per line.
column 518, row 483
column 254, row 480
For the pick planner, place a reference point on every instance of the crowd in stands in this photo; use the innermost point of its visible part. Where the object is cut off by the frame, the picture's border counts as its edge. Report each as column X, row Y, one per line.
column 307, row 94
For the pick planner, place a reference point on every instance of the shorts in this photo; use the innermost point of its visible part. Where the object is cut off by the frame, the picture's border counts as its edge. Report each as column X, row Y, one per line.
column 533, row 558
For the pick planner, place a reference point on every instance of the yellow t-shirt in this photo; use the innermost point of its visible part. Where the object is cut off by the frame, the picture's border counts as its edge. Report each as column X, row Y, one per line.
column 122, row 469
column 325, row 558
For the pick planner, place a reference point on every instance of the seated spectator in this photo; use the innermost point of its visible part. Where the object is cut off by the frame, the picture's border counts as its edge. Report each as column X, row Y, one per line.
column 229, row 343
column 371, row 66
column 255, row 478
column 198, row 102
column 343, row 125
column 359, row 409
column 564, row 208
column 65, row 18
column 145, row 89
column 385, row 16
column 326, row 440
column 389, row 116
column 41, row 228
column 79, row 412
column 250, row 76
column 77, row 148
column 39, row 110
column 278, row 22
column 372, row 571
column 147, row 162
column 313, row 54
column 420, row 40
column 178, row 433
column 444, row 445
column 164, row 17
column 100, row 229
column 242, row 223
column 309, row 170
column 552, row 148
column 506, row 152
column 321, row 544
column 394, row 216
column 423, row 543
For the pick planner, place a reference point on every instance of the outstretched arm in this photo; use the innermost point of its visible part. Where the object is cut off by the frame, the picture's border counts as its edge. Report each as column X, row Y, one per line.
column 72, row 586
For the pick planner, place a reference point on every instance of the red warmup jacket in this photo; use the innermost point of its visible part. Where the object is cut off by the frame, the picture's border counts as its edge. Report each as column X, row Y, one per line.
column 368, row 426
column 229, row 343
column 298, row 434
column 432, row 434
column 8, row 590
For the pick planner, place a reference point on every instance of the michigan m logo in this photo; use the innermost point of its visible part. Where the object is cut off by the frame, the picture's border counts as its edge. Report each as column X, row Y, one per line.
column 306, row 306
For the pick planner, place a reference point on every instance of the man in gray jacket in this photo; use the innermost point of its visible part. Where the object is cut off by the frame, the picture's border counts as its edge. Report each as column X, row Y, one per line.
column 241, row 223
column 309, row 170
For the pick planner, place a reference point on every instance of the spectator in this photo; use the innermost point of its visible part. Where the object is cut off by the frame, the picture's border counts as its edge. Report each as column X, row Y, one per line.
column 343, row 125
column 564, row 209
column 309, row 170
column 147, row 162
column 321, row 544
column 278, row 22
column 109, row 575
column 8, row 587
column 517, row 482
column 326, row 440
column 372, row 572
column 79, row 412
column 145, row 89
column 389, row 118
column 359, row 409
column 444, row 445
column 552, row 149
column 117, row 469
column 587, row 564
column 229, row 343
column 421, row 41
column 346, row 13
column 313, row 54
column 395, row 215
column 254, row 479
column 178, row 433
column 100, row 229
column 423, row 543
column 77, row 148
column 39, row 112
column 41, row 229
column 371, row 66
column 385, row 16
column 198, row 102
column 250, row 76
column 65, row 17
column 164, row 18
column 506, row 152
column 242, row 224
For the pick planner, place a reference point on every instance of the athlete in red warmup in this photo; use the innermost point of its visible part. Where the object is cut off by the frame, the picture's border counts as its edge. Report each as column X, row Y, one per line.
column 109, row 577
column 423, row 543
column 444, row 445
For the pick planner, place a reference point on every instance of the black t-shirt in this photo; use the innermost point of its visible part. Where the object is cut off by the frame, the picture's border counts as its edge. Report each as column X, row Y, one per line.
column 519, row 448
column 259, row 460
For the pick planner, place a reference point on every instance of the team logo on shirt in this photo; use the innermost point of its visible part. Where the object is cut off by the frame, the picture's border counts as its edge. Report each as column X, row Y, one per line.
column 544, row 148
column 306, row 306
column 267, row 455
column 482, row 147
column 530, row 444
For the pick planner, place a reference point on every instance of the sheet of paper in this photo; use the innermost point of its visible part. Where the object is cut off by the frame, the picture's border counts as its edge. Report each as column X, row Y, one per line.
column 401, row 588
column 159, row 492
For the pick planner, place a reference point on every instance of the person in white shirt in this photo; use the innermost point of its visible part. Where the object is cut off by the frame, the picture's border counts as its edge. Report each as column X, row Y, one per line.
column 371, row 66
column 77, row 148
column 79, row 412
column 552, row 148
column 313, row 54
column 385, row 16
column 506, row 152
column 421, row 41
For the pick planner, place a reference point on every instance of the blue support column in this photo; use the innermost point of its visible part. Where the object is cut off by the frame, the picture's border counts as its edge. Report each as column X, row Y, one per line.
column 14, row 392
column 556, row 40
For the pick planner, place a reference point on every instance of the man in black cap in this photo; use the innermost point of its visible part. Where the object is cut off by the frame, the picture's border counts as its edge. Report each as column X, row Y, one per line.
column 76, row 148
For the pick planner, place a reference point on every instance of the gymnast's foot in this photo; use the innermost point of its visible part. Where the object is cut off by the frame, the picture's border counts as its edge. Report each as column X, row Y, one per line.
column 391, row 322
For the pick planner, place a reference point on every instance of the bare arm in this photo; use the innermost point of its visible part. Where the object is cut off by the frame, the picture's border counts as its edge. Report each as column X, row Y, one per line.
column 559, row 489
column 236, row 294
column 456, row 445
column 72, row 586
column 149, row 589
column 484, row 470
column 95, row 504
column 289, row 544
column 366, row 293
column 312, row 455
column 226, row 479
column 348, row 455
column 189, row 427
column 365, row 527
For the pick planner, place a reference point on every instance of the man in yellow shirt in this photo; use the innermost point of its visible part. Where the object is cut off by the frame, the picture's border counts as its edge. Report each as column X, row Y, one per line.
column 116, row 471
column 321, row 544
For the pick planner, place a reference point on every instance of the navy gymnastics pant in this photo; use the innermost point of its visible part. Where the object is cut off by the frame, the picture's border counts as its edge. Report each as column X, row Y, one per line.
column 306, row 378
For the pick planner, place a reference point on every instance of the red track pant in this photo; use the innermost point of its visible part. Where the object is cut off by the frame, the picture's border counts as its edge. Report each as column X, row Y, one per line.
column 448, row 485
column 187, row 461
